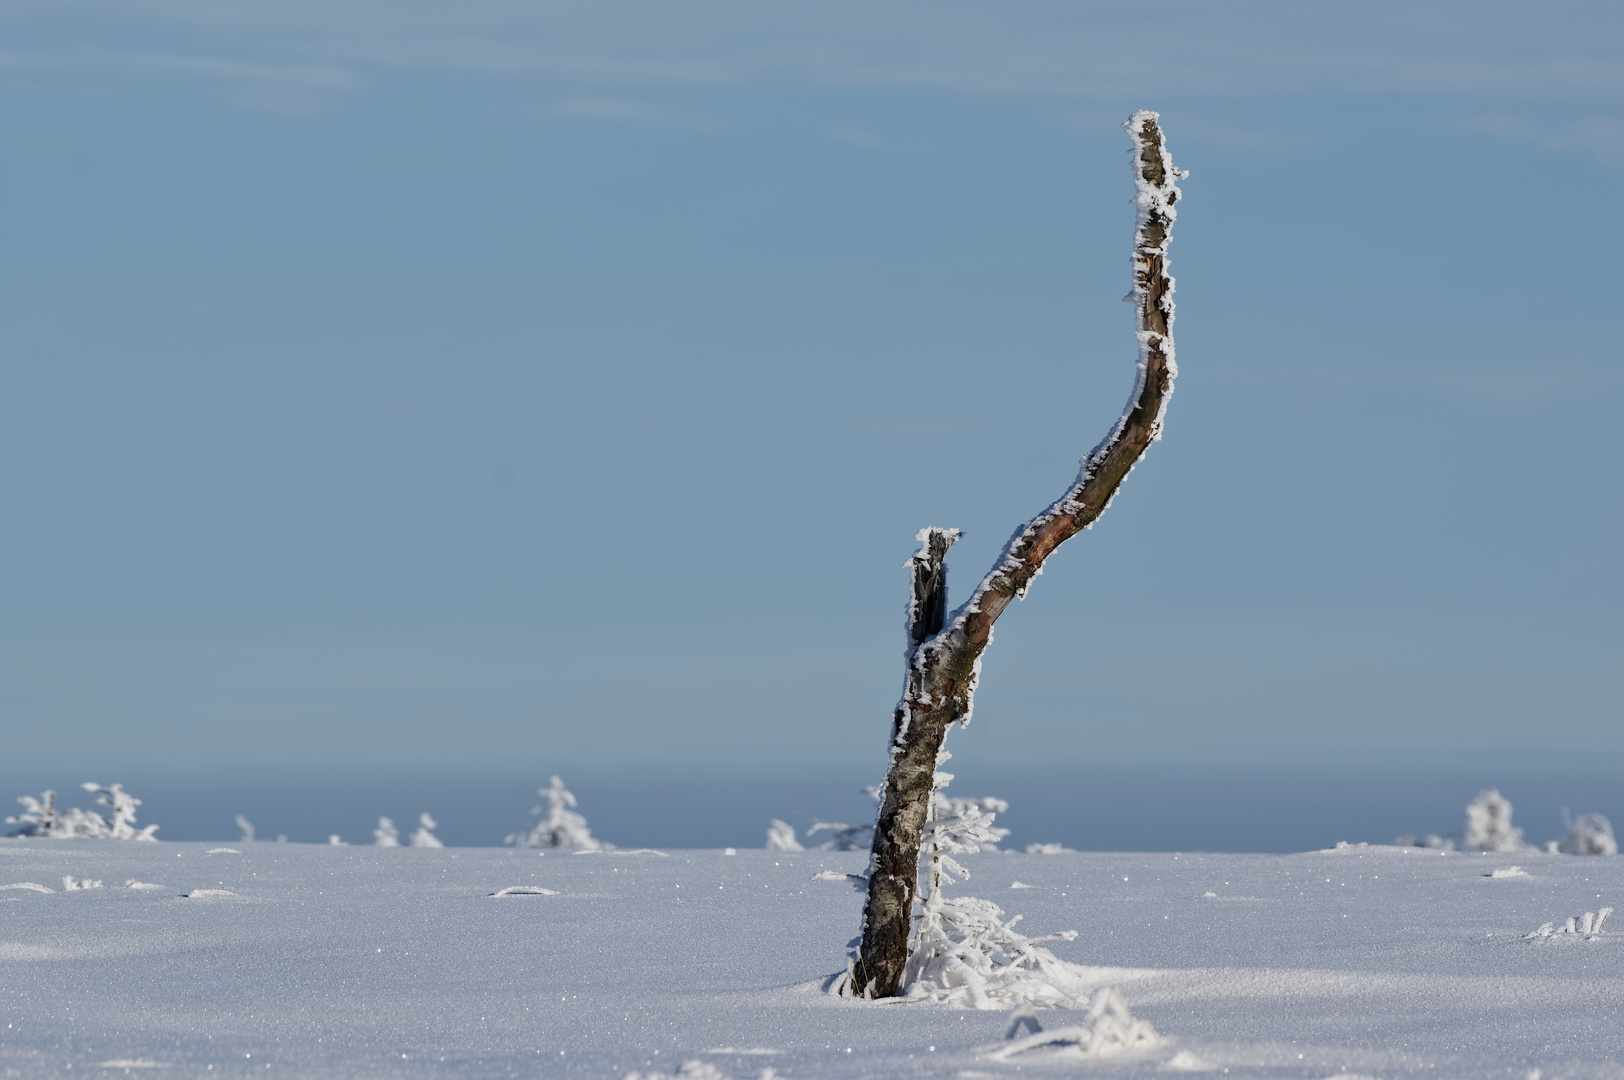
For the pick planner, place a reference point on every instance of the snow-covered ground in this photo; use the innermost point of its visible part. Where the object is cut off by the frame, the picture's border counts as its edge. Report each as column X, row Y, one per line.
column 285, row 959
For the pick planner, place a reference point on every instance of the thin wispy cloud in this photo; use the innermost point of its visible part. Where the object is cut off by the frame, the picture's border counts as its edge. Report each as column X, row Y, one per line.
column 1595, row 136
column 1071, row 57
column 293, row 87
column 617, row 110
column 1046, row 48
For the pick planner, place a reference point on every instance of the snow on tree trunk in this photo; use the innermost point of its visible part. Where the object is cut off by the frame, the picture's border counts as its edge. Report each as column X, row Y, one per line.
column 944, row 650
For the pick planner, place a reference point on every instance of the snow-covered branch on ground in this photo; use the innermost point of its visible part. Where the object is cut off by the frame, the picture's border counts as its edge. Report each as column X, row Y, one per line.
column 943, row 658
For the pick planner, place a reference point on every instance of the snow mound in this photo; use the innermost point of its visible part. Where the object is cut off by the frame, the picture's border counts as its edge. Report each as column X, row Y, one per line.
column 32, row 885
column 222, row 851
column 525, row 890
column 1108, row 1030
column 207, row 894
column 1507, row 872
column 134, row 884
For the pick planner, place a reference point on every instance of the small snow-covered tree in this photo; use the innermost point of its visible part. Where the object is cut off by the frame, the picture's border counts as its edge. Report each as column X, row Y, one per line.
column 1589, row 834
column 781, row 837
column 41, row 817
column 121, row 826
column 563, row 827
column 386, row 835
column 1488, row 824
column 943, row 657
column 424, row 836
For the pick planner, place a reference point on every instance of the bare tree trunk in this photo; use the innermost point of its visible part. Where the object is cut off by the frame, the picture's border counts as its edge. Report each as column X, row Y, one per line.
column 944, row 651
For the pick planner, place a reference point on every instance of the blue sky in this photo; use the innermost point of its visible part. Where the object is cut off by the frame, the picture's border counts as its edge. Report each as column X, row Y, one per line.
column 495, row 383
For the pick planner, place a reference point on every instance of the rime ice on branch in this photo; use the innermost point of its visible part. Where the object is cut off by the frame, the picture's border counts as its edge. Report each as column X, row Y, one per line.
column 944, row 650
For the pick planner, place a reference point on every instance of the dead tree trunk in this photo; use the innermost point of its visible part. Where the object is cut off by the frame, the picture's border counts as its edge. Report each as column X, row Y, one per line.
column 944, row 651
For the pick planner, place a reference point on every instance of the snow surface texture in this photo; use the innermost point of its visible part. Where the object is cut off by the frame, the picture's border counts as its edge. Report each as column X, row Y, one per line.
column 398, row 963
column 563, row 827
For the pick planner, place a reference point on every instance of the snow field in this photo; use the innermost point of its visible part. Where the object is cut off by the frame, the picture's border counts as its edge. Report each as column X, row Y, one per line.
column 319, row 961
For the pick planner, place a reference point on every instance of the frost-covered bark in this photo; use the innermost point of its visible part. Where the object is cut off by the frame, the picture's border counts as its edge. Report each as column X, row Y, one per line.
column 944, row 650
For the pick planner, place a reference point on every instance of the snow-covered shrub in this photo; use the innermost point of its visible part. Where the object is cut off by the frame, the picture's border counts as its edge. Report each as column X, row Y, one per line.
column 962, row 818
column 121, row 826
column 842, row 837
column 247, row 828
column 386, row 835
column 1431, row 841
column 424, row 836
column 781, row 837
column 40, row 817
column 1047, row 849
column 69, row 884
column 962, row 953
column 562, row 828
column 1488, row 824
column 1588, row 834
column 336, row 840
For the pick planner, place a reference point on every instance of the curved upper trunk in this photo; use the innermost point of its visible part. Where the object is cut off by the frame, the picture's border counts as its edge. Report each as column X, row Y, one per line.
column 944, row 654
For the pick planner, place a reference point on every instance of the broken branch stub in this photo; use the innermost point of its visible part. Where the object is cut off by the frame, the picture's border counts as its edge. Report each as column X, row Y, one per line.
column 944, row 650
